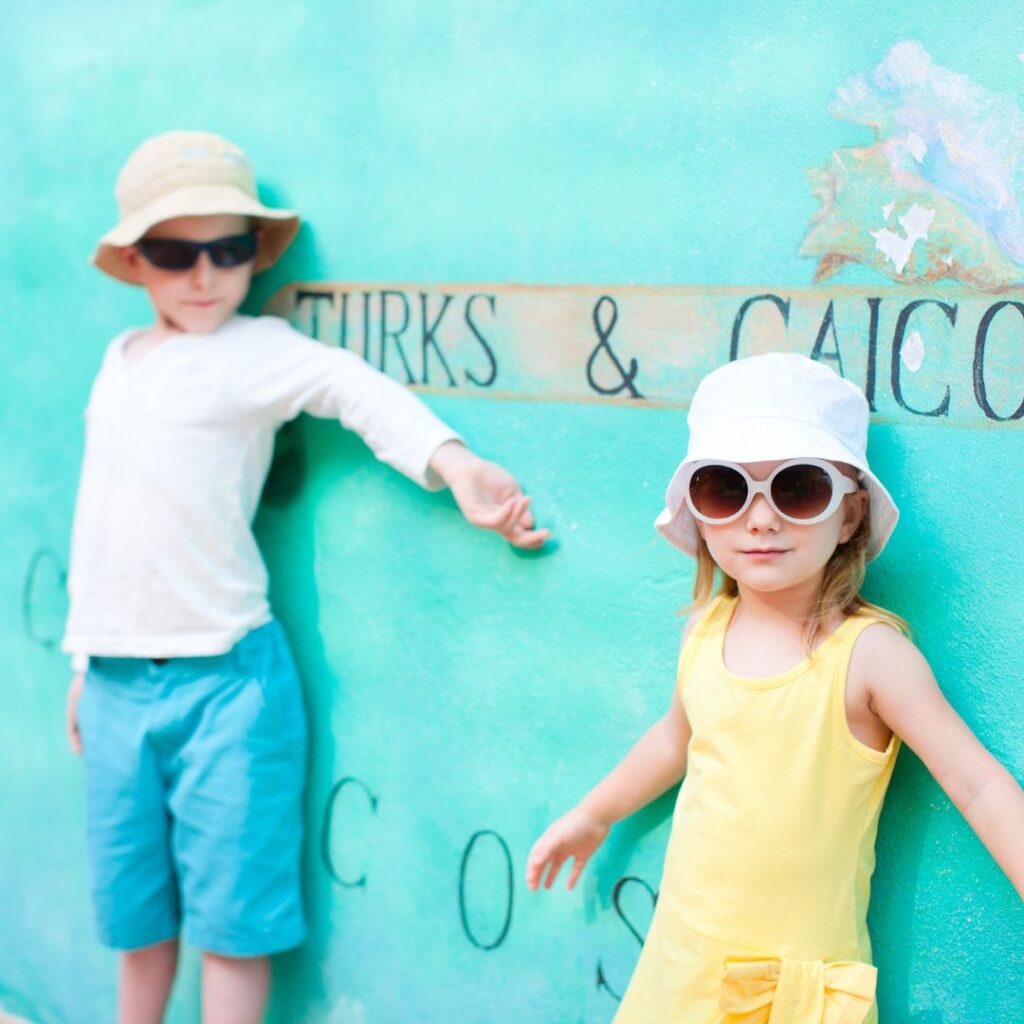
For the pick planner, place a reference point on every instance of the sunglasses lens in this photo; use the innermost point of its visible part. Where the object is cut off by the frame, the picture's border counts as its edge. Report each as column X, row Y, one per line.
column 169, row 253
column 717, row 492
column 234, row 251
column 802, row 492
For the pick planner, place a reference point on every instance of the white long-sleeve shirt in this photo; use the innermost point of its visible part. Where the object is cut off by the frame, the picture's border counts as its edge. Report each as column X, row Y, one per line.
column 178, row 445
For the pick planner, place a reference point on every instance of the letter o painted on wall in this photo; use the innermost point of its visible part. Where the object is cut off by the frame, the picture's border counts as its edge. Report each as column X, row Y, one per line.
column 480, row 881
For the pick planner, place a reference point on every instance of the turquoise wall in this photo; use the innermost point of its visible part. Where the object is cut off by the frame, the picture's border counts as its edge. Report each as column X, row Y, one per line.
column 468, row 692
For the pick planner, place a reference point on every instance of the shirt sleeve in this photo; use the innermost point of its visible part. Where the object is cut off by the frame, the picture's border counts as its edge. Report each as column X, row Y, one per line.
column 279, row 372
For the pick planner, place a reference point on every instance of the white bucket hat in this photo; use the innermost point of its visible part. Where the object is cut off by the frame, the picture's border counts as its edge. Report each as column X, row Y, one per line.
column 188, row 174
column 769, row 408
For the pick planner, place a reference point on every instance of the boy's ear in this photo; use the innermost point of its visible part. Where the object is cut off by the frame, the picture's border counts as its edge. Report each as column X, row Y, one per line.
column 132, row 259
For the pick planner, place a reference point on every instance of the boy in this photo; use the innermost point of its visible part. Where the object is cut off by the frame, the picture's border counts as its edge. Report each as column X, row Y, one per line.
column 191, row 719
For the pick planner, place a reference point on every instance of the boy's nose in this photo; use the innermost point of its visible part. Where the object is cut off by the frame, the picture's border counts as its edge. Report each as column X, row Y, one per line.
column 202, row 272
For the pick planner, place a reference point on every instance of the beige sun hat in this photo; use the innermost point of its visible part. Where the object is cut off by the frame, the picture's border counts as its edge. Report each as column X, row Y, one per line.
column 188, row 174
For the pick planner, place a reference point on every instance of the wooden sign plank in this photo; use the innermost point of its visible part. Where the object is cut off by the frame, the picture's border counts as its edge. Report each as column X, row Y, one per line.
column 951, row 355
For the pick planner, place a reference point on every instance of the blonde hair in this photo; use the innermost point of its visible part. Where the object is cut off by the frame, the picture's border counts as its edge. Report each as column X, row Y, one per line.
column 840, row 586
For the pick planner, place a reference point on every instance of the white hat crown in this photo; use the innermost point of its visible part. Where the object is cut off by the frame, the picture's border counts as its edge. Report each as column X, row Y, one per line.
column 777, row 386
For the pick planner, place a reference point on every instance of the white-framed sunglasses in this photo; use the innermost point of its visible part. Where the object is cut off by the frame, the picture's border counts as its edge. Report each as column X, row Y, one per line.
column 802, row 491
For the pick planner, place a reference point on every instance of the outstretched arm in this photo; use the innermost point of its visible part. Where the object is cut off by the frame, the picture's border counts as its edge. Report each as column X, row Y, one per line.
column 488, row 495
column 279, row 373
column 656, row 762
column 906, row 697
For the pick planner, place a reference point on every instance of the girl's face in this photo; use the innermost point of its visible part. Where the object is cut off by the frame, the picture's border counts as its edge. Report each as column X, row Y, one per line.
column 204, row 297
column 764, row 552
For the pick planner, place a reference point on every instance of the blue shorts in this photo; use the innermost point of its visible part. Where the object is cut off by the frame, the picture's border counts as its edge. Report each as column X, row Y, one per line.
column 195, row 769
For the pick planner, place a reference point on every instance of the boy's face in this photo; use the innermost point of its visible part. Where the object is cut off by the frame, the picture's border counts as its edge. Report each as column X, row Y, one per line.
column 204, row 297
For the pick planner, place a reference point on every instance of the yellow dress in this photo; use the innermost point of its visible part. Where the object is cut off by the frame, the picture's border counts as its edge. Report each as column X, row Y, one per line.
column 762, row 909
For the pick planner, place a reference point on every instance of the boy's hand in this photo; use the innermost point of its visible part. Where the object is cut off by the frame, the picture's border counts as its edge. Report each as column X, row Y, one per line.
column 487, row 495
column 74, row 692
column 575, row 835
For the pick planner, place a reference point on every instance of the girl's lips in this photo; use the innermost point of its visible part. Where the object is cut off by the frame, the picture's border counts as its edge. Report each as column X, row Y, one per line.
column 765, row 552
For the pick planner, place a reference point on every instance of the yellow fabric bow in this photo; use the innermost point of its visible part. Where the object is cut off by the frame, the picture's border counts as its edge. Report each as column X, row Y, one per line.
column 768, row 991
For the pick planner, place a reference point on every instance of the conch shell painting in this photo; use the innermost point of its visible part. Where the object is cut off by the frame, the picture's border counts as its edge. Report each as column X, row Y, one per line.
column 938, row 194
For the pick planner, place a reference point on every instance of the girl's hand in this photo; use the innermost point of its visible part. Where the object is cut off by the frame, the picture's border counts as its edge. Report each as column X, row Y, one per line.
column 74, row 692
column 487, row 495
column 576, row 835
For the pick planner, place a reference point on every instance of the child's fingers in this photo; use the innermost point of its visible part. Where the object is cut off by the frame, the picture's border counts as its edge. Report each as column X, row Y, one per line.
column 540, row 856
column 534, row 867
column 528, row 538
column 499, row 518
column 577, row 867
column 521, row 533
column 506, row 523
column 525, row 517
column 556, row 866
column 515, row 519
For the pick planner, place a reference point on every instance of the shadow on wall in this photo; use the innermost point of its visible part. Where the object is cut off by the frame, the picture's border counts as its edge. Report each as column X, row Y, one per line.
column 287, row 469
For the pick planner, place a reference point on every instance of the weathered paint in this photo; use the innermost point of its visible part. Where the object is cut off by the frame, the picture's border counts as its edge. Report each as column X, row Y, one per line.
column 470, row 691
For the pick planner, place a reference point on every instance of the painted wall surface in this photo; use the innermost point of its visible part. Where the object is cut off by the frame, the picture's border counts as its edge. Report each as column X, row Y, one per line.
column 461, row 694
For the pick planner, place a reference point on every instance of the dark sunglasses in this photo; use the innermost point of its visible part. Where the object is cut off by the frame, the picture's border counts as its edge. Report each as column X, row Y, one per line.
column 802, row 491
column 181, row 254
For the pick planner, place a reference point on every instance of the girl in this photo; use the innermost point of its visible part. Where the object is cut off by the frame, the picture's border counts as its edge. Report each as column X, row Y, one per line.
column 793, row 695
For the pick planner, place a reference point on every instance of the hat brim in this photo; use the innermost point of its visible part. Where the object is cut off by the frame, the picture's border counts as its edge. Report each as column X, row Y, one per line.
column 772, row 439
column 279, row 226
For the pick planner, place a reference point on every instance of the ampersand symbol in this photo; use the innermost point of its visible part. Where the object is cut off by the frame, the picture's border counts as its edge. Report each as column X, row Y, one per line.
column 606, row 313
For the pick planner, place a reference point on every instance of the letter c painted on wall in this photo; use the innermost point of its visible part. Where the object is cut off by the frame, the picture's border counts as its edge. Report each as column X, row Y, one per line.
column 781, row 304
column 328, row 821
column 46, row 577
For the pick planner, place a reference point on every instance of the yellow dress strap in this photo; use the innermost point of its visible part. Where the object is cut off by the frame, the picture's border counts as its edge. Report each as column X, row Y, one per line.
column 715, row 615
column 758, row 990
column 852, row 628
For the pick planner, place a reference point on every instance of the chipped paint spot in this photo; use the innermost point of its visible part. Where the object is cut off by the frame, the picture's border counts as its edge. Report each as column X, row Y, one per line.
column 912, row 352
column 896, row 247
column 917, row 146
column 915, row 222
